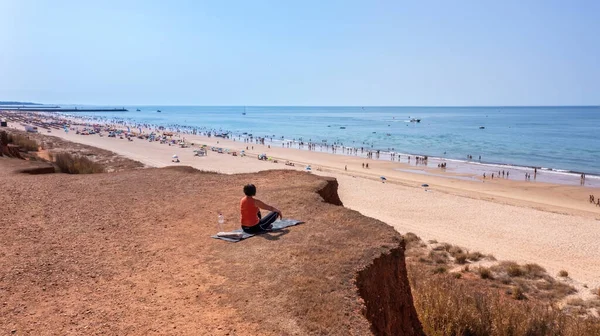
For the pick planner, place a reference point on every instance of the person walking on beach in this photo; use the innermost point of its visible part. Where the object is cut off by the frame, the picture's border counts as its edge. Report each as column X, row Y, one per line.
column 250, row 210
column 484, row 176
column 534, row 173
column 346, row 168
column 363, row 165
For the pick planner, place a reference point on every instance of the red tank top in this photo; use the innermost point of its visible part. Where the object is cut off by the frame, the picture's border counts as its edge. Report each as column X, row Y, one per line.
column 249, row 211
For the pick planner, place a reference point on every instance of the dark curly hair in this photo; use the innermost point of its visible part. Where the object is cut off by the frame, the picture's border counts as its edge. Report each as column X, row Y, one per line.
column 250, row 190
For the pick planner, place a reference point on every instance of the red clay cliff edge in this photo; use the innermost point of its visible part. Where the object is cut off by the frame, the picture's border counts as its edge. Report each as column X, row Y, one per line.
column 130, row 253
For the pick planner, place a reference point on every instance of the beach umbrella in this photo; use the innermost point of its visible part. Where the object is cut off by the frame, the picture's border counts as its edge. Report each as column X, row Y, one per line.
column 175, row 156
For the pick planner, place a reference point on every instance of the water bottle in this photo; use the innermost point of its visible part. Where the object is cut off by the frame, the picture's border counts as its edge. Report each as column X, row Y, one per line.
column 221, row 221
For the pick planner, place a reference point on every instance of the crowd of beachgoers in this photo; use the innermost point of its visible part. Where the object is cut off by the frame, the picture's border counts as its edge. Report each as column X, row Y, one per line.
column 174, row 134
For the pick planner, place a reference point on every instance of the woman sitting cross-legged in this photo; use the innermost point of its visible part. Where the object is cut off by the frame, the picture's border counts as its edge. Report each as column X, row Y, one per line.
column 250, row 210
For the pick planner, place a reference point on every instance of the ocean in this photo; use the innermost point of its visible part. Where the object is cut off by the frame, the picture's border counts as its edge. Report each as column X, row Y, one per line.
column 562, row 139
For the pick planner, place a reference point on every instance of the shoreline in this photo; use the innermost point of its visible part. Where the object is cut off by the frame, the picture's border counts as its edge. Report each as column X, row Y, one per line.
column 473, row 167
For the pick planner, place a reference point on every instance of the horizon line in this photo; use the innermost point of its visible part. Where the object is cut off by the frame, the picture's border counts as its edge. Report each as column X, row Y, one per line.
column 235, row 105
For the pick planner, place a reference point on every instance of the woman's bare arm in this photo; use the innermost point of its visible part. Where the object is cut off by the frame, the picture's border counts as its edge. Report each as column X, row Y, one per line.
column 262, row 205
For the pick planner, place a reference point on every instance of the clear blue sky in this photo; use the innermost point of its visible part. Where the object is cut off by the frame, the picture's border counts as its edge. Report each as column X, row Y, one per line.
column 306, row 52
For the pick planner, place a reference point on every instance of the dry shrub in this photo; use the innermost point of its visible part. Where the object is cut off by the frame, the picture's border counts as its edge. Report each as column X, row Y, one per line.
column 576, row 301
column 517, row 293
column 410, row 237
column 563, row 274
column 552, row 289
column 73, row 164
column 534, row 271
column 511, row 268
column 460, row 258
column 454, row 250
column 438, row 257
column 596, row 291
column 440, row 270
column 23, row 142
column 432, row 241
column 474, row 256
column 449, row 306
column 484, row 272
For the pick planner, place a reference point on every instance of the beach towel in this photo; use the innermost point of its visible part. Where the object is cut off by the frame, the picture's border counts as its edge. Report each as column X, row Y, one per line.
column 239, row 234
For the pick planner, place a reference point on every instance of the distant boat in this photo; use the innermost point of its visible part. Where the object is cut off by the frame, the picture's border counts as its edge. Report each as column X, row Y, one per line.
column 481, row 127
column 244, row 113
column 138, row 110
column 415, row 120
column 342, row 127
column 158, row 111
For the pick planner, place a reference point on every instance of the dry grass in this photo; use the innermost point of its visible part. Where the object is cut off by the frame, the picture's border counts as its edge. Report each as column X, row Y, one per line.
column 411, row 238
column 484, row 272
column 74, row 164
column 460, row 258
column 438, row 257
column 450, row 306
column 517, row 293
column 474, row 256
column 23, row 142
column 512, row 269
column 440, row 270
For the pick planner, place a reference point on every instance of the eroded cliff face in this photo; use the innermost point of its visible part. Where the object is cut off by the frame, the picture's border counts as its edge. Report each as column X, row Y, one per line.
column 384, row 287
column 329, row 191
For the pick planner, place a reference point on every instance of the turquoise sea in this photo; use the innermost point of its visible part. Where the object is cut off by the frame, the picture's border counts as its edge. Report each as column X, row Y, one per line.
column 564, row 139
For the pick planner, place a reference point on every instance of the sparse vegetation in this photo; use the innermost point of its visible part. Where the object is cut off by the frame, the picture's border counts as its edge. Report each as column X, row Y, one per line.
column 438, row 257
column 517, row 293
column 460, row 258
column 563, row 274
column 73, row 164
column 474, row 256
column 440, row 270
column 484, row 272
column 410, row 237
column 490, row 257
column 23, row 142
column 450, row 306
column 455, row 303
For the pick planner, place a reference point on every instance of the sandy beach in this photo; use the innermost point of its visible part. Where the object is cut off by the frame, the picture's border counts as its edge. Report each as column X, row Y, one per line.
column 530, row 222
